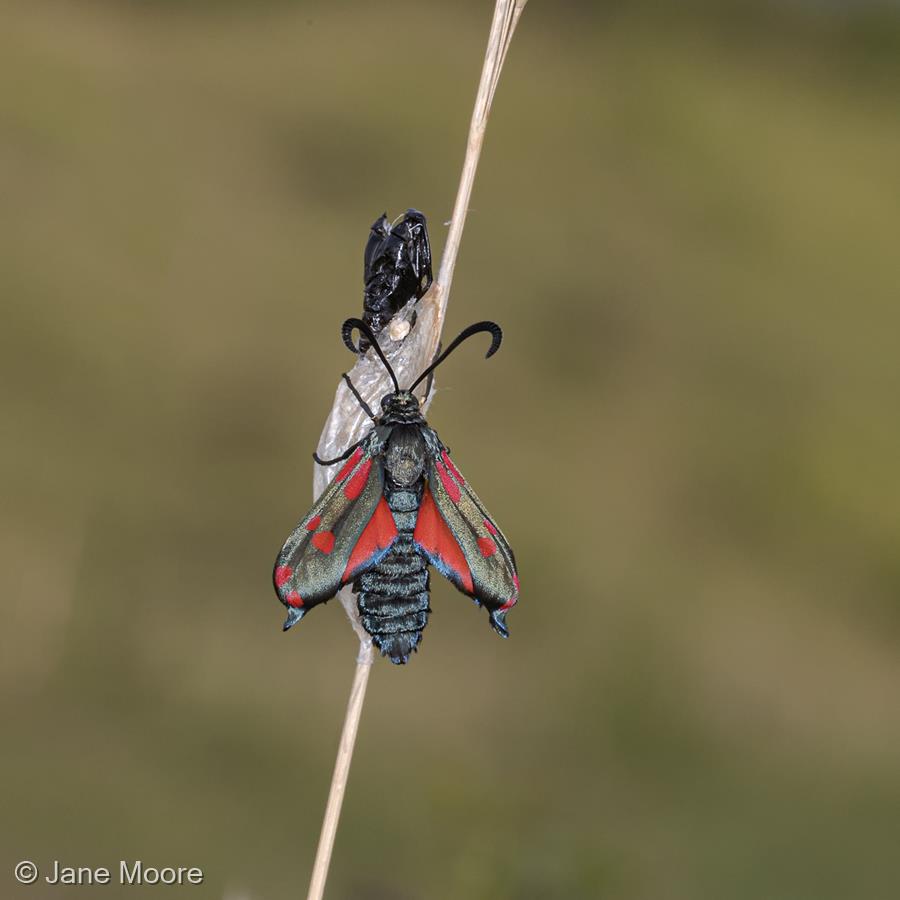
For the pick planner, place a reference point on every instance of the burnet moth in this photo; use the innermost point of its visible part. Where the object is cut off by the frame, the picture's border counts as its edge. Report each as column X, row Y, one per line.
column 397, row 505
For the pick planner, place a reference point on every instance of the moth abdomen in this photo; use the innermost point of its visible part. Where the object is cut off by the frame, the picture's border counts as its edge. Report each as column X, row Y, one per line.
column 394, row 608
column 393, row 597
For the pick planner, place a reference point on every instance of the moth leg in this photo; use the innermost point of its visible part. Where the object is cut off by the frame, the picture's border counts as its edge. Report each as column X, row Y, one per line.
column 365, row 406
column 337, row 459
column 429, row 383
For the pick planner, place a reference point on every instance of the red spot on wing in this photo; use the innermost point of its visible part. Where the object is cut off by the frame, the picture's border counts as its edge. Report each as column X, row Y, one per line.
column 282, row 575
column 348, row 466
column 323, row 541
column 514, row 599
column 490, row 527
column 450, row 486
column 434, row 536
column 449, row 464
column 487, row 547
column 293, row 599
column 354, row 487
column 313, row 523
column 377, row 535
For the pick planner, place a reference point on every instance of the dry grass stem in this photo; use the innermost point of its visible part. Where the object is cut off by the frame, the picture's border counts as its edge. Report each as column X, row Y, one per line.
column 339, row 779
column 346, row 423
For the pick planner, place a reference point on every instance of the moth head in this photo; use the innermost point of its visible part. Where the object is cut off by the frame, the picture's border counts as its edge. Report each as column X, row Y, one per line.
column 401, row 402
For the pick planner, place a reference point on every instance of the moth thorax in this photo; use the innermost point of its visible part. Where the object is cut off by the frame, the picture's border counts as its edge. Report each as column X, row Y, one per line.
column 405, row 457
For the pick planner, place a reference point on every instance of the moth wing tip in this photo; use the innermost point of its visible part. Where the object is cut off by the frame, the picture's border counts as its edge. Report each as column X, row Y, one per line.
column 293, row 617
column 498, row 623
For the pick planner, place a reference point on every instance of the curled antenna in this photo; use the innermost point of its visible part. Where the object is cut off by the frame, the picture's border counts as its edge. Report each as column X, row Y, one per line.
column 359, row 325
column 491, row 328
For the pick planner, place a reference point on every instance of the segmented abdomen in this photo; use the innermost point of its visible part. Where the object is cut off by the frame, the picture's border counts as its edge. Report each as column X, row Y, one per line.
column 393, row 597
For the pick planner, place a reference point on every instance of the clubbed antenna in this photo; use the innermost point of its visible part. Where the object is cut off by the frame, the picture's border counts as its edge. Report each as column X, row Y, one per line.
column 347, row 336
column 491, row 328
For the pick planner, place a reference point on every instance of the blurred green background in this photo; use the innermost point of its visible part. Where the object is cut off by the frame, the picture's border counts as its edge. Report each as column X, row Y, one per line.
column 686, row 221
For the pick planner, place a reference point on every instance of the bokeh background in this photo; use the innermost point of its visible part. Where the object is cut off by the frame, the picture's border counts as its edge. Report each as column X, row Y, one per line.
column 686, row 220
